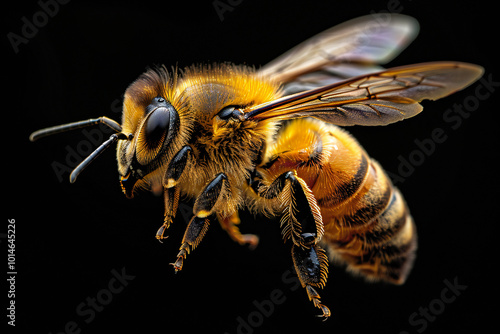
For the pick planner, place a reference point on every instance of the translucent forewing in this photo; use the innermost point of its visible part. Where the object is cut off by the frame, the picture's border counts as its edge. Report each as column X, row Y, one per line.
column 376, row 99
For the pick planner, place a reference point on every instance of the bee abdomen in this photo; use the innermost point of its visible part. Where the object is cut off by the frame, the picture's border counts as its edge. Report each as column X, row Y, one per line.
column 385, row 251
column 377, row 238
column 373, row 197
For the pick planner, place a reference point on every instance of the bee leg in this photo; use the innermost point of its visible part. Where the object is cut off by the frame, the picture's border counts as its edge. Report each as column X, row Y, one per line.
column 302, row 222
column 172, row 176
column 203, row 213
column 177, row 165
column 311, row 265
column 214, row 192
column 301, row 217
column 195, row 231
column 171, row 204
column 229, row 224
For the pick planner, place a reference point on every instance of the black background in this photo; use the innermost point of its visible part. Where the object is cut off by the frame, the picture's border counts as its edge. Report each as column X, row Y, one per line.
column 70, row 237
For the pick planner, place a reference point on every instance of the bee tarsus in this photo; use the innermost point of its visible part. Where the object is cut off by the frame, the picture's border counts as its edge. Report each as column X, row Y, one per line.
column 171, row 196
column 195, row 231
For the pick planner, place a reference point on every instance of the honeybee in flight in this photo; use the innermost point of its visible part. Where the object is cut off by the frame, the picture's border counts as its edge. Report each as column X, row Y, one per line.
column 231, row 137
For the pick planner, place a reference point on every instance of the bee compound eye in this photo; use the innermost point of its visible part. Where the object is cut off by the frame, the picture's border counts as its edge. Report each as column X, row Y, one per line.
column 160, row 126
column 157, row 125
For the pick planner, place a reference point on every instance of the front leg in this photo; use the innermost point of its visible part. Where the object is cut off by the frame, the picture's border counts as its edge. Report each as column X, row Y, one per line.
column 171, row 204
column 172, row 176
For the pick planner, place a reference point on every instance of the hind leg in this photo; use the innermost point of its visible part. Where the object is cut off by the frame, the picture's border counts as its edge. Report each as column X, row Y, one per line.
column 302, row 223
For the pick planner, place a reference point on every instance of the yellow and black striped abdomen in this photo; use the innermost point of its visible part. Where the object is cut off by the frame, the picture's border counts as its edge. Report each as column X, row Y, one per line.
column 367, row 223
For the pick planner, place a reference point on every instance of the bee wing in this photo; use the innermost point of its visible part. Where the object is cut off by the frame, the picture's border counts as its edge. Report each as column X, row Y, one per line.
column 375, row 99
column 371, row 39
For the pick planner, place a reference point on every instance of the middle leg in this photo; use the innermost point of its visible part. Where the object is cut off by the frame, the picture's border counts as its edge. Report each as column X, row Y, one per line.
column 203, row 213
column 230, row 225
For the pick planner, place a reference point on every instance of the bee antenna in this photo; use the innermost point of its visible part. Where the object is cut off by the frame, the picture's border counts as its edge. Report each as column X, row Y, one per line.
column 112, row 139
column 76, row 125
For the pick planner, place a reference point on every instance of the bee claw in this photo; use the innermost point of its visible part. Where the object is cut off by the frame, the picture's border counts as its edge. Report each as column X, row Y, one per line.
column 160, row 238
column 326, row 312
column 324, row 316
column 176, row 270
column 161, row 230
column 179, row 262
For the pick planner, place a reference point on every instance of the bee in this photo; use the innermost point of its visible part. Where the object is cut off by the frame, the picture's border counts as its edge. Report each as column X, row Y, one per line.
column 232, row 137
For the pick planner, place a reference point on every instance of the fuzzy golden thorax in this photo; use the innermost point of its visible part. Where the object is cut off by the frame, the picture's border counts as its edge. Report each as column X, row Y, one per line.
column 220, row 141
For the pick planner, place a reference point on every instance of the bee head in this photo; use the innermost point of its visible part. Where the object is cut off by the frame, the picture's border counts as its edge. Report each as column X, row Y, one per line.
column 159, row 121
